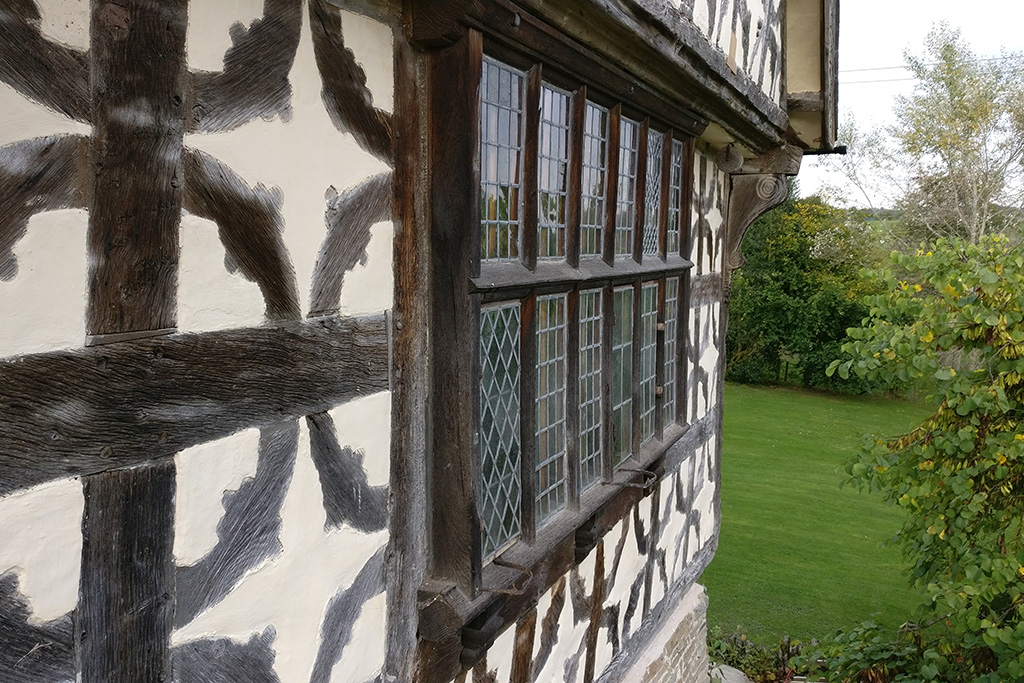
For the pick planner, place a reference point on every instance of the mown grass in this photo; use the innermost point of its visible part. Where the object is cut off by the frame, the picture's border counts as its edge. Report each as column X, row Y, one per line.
column 798, row 555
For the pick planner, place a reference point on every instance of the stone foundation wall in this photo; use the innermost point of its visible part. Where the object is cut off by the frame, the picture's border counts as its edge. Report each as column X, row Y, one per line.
column 679, row 654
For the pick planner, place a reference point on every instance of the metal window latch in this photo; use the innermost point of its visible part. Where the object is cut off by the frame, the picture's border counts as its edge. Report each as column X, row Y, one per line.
column 523, row 582
column 651, row 478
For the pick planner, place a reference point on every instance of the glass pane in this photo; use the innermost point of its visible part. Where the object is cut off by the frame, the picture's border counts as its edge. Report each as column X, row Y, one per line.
column 552, row 171
column 590, row 387
column 625, row 209
column 501, row 132
column 550, row 468
column 652, row 190
column 595, row 164
column 622, row 374
column 671, row 347
column 499, row 426
column 675, row 197
column 648, row 357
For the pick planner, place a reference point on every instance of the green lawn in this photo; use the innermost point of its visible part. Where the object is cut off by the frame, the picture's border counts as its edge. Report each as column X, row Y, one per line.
column 797, row 554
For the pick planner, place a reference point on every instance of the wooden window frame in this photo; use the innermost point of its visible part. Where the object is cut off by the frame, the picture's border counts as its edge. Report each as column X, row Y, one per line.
column 463, row 282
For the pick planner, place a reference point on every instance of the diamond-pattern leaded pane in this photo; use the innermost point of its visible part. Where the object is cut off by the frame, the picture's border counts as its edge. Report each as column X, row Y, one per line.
column 622, row 374
column 551, row 376
column 671, row 347
column 675, row 197
column 595, row 164
column 500, row 453
column 590, row 387
column 501, row 133
column 625, row 208
column 648, row 357
column 552, row 171
column 652, row 190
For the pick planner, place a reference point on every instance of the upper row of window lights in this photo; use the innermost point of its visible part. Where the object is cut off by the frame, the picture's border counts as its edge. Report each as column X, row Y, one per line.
column 502, row 124
column 500, row 397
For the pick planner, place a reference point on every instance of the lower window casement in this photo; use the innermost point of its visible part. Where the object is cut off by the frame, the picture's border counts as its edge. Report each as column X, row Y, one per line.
column 569, row 395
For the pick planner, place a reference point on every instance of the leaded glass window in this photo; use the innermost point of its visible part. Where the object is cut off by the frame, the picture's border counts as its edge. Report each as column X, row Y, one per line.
column 500, row 453
column 551, row 378
column 552, row 171
column 675, row 197
column 625, row 209
column 595, row 165
column 622, row 374
column 544, row 436
column 652, row 191
column 648, row 358
column 671, row 318
column 590, row 386
column 501, row 145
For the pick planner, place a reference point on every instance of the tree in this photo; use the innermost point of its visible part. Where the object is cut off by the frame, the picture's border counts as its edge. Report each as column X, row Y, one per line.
column 797, row 293
column 952, row 162
column 954, row 313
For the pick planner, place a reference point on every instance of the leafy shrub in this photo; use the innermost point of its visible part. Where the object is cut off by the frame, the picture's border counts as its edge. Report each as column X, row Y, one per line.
column 760, row 663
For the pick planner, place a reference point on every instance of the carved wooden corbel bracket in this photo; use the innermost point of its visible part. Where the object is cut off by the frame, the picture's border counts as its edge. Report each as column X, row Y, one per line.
column 752, row 196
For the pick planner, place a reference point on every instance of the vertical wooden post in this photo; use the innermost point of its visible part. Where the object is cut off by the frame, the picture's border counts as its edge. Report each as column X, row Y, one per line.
column 138, row 68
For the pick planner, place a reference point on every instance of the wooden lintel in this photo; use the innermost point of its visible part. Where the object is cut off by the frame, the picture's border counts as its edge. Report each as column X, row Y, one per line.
column 73, row 413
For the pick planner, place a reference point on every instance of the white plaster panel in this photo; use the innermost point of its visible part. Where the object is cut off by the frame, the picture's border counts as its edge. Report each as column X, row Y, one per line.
column 364, row 656
column 351, row 421
column 65, row 21
column 205, row 473
column 303, row 157
column 572, row 639
column 43, row 307
column 291, row 591
column 209, row 35
column 209, row 297
column 373, row 43
column 499, row 656
column 41, row 540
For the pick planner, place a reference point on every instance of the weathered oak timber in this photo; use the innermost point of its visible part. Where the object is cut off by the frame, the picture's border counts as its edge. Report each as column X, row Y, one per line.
column 25, row 191
column 254, row 81
column 59, row 416
column 751, row 196
column 126, row 611
column 346, row 97
column 52, row 74
column 138, row 69
column 528, row 219
column 249, row 223
column 453, row 85
column 522, row 659
column 406, row 556
column 577, row 123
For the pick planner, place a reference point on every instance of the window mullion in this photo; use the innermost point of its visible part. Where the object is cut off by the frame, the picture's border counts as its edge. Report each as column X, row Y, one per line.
column 659, row 365
column 531, row 135
column 640, row 185
column 612, row 177
column 607, row 378
column 575, row 184
column 572, row 400
column 637, row 372
column 528, row 417
column 666, row 177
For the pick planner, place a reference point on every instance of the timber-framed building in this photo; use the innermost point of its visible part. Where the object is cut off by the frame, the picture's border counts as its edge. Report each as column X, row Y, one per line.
column 356, row 340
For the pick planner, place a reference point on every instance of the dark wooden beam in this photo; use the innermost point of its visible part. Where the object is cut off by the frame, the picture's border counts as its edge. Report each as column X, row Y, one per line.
column 72, row 413
column 452, row 90
column 126, row 610
column 138, row 72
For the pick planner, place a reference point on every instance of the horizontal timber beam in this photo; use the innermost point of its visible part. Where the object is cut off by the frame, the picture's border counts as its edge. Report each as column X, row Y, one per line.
column 74, row 413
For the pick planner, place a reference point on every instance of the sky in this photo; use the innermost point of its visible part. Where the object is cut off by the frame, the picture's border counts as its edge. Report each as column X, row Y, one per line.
column 873, row 36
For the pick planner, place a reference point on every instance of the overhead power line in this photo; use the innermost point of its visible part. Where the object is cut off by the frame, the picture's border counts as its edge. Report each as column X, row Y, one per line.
column 904, row 66
column 879, row 80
